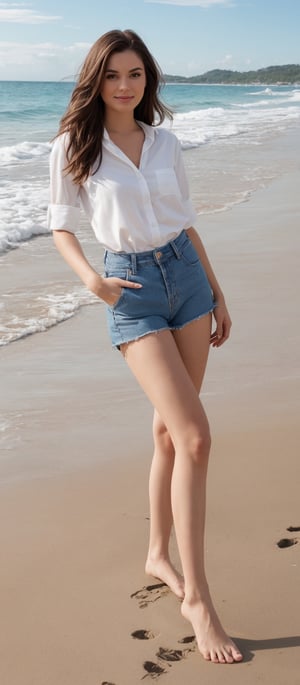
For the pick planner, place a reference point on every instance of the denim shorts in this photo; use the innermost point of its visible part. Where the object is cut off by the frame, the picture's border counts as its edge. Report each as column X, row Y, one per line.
column 175, row 290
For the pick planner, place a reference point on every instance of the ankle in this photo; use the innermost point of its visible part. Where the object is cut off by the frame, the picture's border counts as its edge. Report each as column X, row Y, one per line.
column 197, row 595
column 157, row 555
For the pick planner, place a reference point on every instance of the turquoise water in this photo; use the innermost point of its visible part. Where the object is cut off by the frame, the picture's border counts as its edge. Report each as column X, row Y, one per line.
column 31, row 110
column 184, row 97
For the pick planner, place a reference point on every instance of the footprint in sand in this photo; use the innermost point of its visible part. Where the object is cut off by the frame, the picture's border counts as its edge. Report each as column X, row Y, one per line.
column 187, row 640
column 143, row 635
column 150, row 593
column 293, row 529
column 105, row 682
column 287, row 542
column 172, row 654
column 152, row 670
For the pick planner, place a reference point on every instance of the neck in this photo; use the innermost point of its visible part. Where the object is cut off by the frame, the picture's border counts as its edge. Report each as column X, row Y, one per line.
column 116, row 124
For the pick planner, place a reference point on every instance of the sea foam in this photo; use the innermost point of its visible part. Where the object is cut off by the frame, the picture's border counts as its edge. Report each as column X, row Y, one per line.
column 23, row 152
column 23, row 208
column 45, row 311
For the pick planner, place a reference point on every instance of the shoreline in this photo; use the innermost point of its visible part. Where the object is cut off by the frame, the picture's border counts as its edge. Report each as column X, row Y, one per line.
column 251, row 83
column 185, row 82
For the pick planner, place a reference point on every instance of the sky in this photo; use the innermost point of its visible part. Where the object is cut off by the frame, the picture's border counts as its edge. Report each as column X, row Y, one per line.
column 47, row 40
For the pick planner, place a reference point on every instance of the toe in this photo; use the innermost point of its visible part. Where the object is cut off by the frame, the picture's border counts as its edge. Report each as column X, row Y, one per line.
column 235, row 652
column 228, row 656
column 221, row 657
column 237, row 655
column 214, row 657
column 206, row 655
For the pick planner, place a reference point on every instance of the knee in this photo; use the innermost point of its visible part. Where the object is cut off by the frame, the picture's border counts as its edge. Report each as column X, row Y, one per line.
column 197, row 445
column 162, row 438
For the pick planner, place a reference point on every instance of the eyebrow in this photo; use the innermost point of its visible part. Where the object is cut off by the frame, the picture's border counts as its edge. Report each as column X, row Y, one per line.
column 114, row 71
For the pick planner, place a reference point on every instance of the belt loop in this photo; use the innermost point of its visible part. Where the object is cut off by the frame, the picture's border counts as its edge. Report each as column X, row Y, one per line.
column 175, row 249
column 133, row 263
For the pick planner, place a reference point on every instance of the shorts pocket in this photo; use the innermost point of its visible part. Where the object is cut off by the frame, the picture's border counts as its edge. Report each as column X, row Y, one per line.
column 189, row 254
column 115, row 273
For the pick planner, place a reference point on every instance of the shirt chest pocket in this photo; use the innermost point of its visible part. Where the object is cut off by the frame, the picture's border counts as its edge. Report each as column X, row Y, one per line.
column 164, row 182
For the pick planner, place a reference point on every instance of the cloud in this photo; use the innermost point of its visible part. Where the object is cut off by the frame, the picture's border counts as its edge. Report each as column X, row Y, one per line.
column 40, row 61
column 18, row 53
column 17, row 13
column 226, row 61
column 192, row 3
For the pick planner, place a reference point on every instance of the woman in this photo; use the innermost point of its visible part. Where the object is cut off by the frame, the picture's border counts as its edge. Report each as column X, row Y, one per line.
column 159, row 288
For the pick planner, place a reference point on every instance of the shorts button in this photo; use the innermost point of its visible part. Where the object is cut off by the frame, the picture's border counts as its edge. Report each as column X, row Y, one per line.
column 158, row 254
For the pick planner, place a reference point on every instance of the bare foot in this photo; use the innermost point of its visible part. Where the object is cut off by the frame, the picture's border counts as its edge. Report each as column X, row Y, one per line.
column 163, row 570
column 213, row 643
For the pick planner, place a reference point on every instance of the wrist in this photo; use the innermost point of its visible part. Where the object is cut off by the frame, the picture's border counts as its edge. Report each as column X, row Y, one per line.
column 95, row 283
column 218, row 297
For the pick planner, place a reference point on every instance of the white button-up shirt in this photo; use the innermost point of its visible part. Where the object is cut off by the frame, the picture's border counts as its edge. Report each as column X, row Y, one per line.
column 130, row 209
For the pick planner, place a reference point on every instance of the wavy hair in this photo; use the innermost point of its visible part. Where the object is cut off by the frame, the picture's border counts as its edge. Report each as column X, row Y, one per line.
column 84, row 117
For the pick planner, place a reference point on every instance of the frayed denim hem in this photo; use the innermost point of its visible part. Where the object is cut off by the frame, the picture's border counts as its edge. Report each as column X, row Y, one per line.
column 166, row 328
column 196, row 318
column 139, row 337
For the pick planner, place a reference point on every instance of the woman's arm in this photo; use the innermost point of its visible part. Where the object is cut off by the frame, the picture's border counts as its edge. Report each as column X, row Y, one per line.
column 63, row 220
column 71, row 250
column 108, row 289
column 221, row 315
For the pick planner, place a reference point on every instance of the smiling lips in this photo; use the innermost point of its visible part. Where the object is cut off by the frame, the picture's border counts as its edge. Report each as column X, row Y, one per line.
column 124, row 97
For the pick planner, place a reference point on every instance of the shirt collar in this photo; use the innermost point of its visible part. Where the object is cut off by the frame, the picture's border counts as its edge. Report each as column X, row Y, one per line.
column 149, row 132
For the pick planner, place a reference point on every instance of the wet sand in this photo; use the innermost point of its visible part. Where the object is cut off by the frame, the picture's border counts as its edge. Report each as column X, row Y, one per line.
column 74, row 468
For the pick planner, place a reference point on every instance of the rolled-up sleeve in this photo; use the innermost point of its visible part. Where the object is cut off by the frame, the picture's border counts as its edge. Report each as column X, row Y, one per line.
column 64, row 207
column 184, row 188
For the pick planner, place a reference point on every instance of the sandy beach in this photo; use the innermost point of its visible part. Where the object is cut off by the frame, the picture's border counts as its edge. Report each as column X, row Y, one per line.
column 75, row 602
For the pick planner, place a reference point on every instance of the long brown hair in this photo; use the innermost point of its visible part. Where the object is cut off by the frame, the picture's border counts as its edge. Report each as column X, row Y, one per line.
column 84, row 117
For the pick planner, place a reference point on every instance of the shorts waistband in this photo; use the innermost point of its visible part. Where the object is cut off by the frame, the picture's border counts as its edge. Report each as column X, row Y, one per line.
column 133, row 259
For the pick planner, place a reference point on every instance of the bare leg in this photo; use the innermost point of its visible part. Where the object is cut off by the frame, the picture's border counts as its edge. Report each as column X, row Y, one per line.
column 159, row 367
column 158, row 562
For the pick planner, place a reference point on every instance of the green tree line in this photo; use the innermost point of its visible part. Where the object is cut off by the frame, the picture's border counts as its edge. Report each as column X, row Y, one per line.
column 285, row 74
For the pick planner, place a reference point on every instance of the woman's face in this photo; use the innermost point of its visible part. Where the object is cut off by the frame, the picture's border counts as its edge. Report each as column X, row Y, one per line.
column 124, row 82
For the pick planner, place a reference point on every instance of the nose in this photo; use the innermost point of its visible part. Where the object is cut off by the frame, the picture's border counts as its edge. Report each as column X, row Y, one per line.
column 124, row 83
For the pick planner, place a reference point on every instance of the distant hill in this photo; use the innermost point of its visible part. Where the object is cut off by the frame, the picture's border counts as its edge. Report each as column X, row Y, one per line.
column 285, row 74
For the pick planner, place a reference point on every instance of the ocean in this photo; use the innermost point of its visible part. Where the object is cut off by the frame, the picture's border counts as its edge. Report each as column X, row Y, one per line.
column 224, row 132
